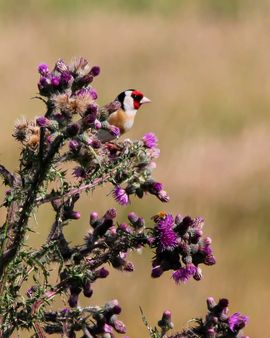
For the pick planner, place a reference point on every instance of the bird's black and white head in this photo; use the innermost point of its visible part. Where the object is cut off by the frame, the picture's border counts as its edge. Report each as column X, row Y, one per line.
column 131, row 100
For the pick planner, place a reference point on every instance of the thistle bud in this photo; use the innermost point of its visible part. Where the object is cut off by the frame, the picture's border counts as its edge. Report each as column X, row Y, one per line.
column 95, row 71
column 102, row 273
column 157, row 271
column 87, row 291
column 43, row 69
column 73, row 129
column 42, row 121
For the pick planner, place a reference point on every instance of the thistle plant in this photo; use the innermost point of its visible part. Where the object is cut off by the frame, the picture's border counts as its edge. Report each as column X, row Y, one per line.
column 61, row 159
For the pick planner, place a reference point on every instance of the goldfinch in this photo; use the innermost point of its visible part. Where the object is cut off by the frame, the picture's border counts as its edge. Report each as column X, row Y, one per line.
column 130, row 101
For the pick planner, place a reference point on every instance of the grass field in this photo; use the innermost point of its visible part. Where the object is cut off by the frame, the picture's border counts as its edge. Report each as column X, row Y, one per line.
column 206, row 68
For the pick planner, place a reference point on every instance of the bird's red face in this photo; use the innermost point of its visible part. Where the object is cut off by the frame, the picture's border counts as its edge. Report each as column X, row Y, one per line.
column 132, row 99
column 137, row 99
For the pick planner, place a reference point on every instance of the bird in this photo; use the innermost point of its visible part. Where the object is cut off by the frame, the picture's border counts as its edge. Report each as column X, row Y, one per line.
column 130, row 101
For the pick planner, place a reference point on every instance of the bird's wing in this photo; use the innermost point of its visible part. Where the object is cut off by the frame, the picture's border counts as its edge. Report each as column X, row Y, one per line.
column 104, row 136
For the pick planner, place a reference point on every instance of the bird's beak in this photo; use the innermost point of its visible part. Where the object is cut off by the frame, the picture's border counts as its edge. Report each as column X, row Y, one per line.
column 144, row 100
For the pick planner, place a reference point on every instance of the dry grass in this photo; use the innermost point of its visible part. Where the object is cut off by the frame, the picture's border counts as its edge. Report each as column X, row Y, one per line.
column 209, row 81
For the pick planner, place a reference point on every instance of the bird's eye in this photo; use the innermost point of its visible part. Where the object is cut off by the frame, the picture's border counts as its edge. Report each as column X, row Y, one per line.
column 137, row 97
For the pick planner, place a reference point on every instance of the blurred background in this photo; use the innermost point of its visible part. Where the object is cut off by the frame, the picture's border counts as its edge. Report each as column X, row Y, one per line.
column 205, row 66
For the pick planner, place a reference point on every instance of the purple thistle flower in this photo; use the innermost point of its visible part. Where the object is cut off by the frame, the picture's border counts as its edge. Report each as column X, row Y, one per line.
column 183, row 274
column 120, row 195
column 43, row 69
column 180, row 275
column 167, row 238
column 237, row 322
column 150, row 140
column 191, row 269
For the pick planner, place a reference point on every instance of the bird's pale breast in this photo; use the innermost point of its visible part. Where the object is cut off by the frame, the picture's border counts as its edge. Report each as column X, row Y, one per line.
column 121, row 120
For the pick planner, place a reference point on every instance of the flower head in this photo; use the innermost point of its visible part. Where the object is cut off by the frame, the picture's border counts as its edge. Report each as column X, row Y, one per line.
column 166, row 236
column 237, row 322
column 183, row 274
column 150, row 140
column 120, row 195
